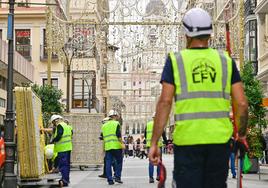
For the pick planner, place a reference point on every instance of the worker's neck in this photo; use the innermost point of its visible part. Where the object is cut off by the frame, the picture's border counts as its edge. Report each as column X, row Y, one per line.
column 198, row 44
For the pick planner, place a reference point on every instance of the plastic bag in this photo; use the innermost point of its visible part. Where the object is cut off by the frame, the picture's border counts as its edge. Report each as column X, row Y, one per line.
column 246, row 164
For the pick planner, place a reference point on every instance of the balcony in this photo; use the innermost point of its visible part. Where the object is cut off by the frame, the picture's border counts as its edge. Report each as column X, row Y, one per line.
column 250, row 6
column 44, row 55
column 25, row 50
column 23, row 69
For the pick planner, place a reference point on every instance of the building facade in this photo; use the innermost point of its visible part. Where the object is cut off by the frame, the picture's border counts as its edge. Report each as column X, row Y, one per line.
column 144, row 42
column 87, row 85
column 261, row 12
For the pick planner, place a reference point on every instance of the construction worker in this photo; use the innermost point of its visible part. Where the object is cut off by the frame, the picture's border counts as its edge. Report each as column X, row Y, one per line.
column 103, row 175
column 202, row 80
column 148, row 136
column 111, row 134
column 62, row 140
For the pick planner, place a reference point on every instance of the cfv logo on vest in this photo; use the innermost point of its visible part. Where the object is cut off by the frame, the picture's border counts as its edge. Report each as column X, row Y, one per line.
column 203, row 71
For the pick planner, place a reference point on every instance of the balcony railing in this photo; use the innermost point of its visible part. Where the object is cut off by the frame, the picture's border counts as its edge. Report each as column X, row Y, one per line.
column 24, row 50
column 44, row 55
column 250, row 6
column 21, row 65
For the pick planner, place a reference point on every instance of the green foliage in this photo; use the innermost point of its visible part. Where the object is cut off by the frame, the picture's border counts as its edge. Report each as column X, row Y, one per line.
column 50, row 97
column 257, row 112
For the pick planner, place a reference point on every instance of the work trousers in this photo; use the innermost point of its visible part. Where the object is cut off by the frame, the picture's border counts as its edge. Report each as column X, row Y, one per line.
column 64, row 166
column 110, row 156
column 201, row 166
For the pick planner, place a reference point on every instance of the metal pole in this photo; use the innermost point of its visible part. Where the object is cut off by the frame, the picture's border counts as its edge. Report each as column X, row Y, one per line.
column 49, row 45
column 68, row 85
column 10, row 179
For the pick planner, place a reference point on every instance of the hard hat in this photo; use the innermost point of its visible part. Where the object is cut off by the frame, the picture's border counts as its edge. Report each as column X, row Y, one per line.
column 49, row 151
column 112, row 113
column 54, row 117
column 197, row 22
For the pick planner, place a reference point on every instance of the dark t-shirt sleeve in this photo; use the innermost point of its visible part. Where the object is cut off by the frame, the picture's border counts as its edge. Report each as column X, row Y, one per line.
column 235, row 74
column 167, row 74
column 59, row 134
column 118, row 131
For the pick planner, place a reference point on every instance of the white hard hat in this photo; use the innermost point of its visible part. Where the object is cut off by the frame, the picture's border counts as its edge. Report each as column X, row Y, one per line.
column 54, row 117
column 112, row 113
column 197, row 22
column 49, row 151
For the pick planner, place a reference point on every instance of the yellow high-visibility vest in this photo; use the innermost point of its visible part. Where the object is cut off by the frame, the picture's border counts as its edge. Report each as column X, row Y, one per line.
column 202, row 80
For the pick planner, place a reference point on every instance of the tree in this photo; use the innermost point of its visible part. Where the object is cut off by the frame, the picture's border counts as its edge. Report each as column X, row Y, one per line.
column 257, row 112
column 50, row 97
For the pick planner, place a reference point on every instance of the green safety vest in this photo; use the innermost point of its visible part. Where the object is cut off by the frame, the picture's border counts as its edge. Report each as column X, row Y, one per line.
column 149, row 134
column 65, row 143
column 202, row 96
column 111, row 141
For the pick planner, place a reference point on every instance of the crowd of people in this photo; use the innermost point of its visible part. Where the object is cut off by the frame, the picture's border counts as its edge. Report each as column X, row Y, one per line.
column 137, row 148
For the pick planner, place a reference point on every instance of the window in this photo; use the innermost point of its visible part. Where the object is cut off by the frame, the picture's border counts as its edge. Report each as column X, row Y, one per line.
column 23, row 42
column 142, row 128
column 3, row 83
column 139, row 82
column 127, row 129
column 134, row 129
column 43, row 52
column 124, row 92
column 125, row 83
column 134, row 83
column 83, row 89
column 139, row 62
column 124, row 67
column 2, row 103
column 54, row 82
column 138, row 129
column 1, row 32
column 139, row 92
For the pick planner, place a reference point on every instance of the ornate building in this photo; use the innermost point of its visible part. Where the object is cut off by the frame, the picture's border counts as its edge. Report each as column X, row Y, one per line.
column 147, row 36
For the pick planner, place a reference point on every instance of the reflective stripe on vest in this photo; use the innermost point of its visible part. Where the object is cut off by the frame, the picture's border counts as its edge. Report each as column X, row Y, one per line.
column 201, row 106
column 65, row 143
column 149, row 134
column 111, row 141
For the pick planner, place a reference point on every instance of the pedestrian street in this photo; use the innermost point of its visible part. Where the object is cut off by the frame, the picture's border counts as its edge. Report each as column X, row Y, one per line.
column 135, row 175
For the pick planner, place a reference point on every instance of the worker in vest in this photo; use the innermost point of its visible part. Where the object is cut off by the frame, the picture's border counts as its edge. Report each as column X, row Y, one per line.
column 111, row 135
column 202, row 81
column 103, row 175
column 62, row 140
column 148, row 136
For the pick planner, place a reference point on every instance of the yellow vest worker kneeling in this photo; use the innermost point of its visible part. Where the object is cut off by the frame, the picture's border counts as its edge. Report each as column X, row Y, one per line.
column 62, row 140
column 111, row 135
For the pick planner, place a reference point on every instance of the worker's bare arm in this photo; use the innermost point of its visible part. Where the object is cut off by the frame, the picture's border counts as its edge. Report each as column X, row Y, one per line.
column 240, row 108
column 162, row 110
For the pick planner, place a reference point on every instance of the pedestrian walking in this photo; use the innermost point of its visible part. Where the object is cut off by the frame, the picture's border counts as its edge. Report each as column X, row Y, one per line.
column 62, row 140
column 148, row 135
column 202, row 80
column 113, row 145
column 143, row 147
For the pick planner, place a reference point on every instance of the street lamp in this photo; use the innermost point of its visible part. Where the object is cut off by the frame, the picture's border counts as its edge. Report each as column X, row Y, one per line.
column 10, row 179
